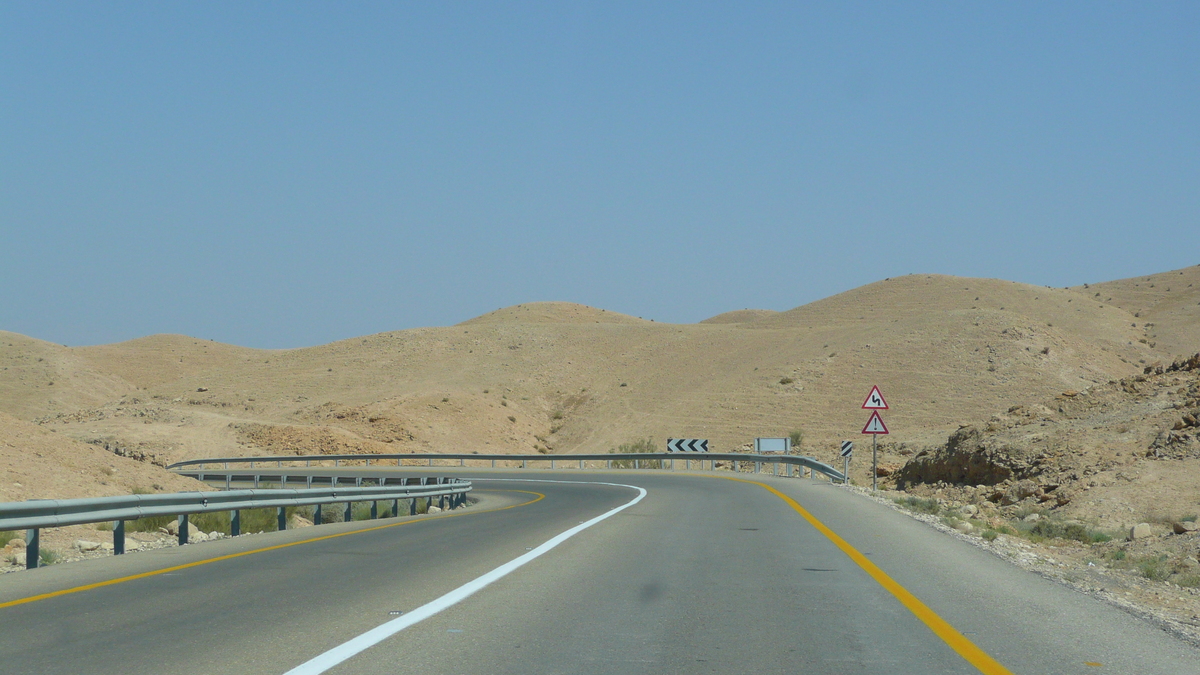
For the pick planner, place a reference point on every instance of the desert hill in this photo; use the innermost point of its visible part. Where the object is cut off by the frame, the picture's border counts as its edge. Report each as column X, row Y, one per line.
column 741, row 316
column 552, row 312
column 37, row 462
column 1166, row 305
column 561, row 377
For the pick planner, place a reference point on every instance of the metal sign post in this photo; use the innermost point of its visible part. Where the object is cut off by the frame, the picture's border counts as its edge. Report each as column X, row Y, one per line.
column 875, row 426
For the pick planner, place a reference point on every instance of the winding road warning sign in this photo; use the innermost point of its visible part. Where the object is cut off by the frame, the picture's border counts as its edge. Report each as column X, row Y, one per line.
column 875, row 425
column 875, row 401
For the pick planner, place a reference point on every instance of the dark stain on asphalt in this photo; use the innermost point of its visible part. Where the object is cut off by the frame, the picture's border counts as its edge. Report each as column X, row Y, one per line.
column 651, row 592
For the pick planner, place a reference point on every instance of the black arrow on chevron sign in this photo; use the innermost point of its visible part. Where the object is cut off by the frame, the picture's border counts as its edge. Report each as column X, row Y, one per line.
column 687, row 445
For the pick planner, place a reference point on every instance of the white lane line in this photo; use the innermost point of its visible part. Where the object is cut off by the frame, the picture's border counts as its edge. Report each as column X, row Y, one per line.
column 331, row 658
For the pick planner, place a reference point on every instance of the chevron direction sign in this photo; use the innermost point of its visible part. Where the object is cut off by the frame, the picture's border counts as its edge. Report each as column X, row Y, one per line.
column 687, row 445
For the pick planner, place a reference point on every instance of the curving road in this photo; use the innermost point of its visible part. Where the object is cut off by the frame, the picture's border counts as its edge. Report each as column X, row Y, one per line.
column 703, row 575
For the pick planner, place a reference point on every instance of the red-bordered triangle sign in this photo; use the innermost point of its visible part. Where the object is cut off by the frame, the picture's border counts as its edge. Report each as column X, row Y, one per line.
column 875, row 400
column 875, row 425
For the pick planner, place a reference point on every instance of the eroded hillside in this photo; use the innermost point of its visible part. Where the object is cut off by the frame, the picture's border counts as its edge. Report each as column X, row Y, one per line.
column 561, row 378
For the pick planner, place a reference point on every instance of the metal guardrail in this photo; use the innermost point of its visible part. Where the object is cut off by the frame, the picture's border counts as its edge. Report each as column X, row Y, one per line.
column 33, row 515
column 636, row 459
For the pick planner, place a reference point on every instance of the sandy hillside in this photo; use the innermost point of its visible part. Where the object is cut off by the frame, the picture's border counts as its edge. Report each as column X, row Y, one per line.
column 560, row 377
column 38, row 463
column 1167, row 305
column 741, row 316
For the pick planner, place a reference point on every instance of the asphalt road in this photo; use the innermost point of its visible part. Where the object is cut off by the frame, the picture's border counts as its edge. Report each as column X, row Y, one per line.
column 704, row 575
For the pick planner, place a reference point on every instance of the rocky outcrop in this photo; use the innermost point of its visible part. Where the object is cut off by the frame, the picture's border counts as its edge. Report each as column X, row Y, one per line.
column 968, row 458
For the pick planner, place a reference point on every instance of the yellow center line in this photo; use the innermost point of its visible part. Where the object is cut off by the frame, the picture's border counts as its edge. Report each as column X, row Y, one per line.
column 940, row 627
column 176, row 568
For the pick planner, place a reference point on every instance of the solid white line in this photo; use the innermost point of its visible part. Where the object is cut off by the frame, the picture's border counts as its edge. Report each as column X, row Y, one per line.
column 331, row 658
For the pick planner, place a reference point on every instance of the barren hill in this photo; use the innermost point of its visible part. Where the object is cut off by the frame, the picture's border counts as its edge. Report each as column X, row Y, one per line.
column 552, row 312
column 741, row 316
column 561, row 377
column 1166, row 305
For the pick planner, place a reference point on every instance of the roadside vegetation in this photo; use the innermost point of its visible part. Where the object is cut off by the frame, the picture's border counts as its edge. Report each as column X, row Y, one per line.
column 266, row 520
column 640, row 446
column 1040, row 527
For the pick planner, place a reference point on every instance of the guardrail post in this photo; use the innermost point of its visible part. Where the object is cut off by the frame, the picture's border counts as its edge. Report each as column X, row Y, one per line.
column 317, row 515
column 235, row 523
column 255, row 480
column 522, row 464
column 337, row 462
column 493, row 463
column 368, row 461
column 442, row 502
column 349, row 515
column 412, row 506
column 608, row 463
column 462, row 462
column 118, row 537
column 183, row 529
column 637, row 463
column 581, row 464
column 281, row 518
column 395, row 508
column 374, row 510
column 430, row 461
column 32, row 538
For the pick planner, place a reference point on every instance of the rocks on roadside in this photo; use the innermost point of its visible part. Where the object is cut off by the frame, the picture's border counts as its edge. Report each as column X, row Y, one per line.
column 964, row 527
column 85, row 545
column 1139, row 531
column 885, row 470
column 434, row 509
column 1184, row 527
column 298, row 520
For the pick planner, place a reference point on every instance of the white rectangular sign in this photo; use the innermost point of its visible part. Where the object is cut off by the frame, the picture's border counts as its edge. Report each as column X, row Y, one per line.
column 772, row 445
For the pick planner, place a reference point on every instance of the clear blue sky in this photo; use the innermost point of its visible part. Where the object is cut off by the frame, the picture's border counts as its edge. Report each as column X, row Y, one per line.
column 287, row 174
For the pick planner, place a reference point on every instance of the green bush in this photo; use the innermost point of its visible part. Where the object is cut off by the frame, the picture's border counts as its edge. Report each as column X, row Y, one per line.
column 6, row 537
column 253, row 520
column 919, row 504
column 797, row 438
column 1057, row 529
column 990, row 535
column 642, row 446
column 1190, row 581
column 1154, row 568
column 47, row 557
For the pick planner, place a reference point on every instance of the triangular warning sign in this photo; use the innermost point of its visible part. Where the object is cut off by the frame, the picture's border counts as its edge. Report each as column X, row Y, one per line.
column 875, row 400
column 875, row 425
